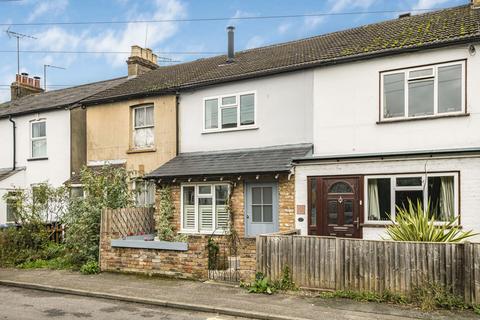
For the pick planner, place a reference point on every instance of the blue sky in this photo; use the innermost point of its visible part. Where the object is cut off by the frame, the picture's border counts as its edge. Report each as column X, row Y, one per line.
column 166, row 36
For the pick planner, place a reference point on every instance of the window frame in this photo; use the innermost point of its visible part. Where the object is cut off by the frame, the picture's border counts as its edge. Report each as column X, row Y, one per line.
column 145, row 184
column 408, row 79
column 32, row 139
column 212, row 195
column 423, row 187
column 220, row 107
column 135, row 128
column 7, row 202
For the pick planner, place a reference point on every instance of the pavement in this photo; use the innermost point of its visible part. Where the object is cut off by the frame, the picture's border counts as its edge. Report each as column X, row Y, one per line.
column 27, row 304
column 211, row 298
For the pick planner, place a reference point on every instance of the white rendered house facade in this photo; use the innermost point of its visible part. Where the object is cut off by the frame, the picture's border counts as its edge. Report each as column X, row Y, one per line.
column 390, row 129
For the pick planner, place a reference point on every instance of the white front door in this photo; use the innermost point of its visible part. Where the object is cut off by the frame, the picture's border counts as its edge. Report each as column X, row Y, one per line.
column 261, row 214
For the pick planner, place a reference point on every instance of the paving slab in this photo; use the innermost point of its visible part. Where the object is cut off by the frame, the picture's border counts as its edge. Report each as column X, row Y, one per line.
column 210, row 297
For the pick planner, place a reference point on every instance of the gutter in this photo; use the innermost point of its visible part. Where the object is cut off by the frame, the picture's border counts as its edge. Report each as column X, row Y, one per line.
column 14, row 142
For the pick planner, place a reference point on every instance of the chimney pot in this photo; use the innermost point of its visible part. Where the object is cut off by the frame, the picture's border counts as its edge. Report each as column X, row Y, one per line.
column 404, row 15
column 24, row 86
column 231, row 43
column 141, row 61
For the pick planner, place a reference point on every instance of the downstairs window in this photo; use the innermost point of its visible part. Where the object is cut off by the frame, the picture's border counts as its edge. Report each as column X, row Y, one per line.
column 204, row 208
column 384, row 194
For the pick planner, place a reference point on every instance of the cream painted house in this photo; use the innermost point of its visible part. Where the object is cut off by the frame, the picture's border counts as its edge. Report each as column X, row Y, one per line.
column 137, row 133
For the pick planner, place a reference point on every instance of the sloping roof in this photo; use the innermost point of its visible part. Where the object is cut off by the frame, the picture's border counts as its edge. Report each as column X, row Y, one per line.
column 76, row 179
column 239, row 161
column 8, row 172
column 56, row 98
column 429, row 30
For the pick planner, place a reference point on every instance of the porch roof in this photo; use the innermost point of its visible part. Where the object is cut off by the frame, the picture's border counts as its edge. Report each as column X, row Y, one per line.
column 8, row 172
column 390, row 155
column 238, row 161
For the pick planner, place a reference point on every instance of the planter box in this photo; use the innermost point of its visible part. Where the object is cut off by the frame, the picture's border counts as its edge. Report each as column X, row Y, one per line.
column 140, row 243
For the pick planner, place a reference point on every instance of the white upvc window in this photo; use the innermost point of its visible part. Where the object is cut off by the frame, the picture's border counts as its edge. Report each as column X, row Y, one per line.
column 384, row 193
column 11, row 206
column 423, row 92
column 143, row 127
column 144, row 193
column 204, row 208
column 229, row 112
column 38, row 139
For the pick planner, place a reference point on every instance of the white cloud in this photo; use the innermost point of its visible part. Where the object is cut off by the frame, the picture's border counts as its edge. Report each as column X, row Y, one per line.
column 343, row 5
column 48, row 7
column 284, row 27
column 337, row 6
column 313, row 22
column 255, row 42
column 428, row 4
column 114, row 38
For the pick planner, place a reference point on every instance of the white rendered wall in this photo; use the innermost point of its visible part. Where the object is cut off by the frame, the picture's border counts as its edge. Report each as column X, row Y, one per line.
column 346, row 108
column 283, row 114
column 55, row 170
column 469, row 169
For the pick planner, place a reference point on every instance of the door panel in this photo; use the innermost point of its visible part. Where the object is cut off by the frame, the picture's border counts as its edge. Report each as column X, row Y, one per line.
column 335, row 206
column 261, row 208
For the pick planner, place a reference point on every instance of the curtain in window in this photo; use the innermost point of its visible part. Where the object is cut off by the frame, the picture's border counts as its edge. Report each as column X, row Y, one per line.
column 39, row 148
column 38, row 130
column 447, row 198
column 373, row 200
column 149, row 116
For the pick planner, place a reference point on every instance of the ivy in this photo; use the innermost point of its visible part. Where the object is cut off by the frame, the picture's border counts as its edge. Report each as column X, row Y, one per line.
column 163, row 222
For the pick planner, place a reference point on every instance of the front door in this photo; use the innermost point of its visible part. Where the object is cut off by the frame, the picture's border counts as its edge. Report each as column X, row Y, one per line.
column 335, row 205
column 261, row 208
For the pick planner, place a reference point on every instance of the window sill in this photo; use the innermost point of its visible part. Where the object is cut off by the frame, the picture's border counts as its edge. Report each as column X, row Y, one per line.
column 37, row 159
column 130, row 151
column 456, row 115
column 203, row 234
column 229, row 130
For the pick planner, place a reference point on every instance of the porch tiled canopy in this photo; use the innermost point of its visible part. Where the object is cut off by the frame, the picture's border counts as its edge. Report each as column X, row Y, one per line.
column 276, row 159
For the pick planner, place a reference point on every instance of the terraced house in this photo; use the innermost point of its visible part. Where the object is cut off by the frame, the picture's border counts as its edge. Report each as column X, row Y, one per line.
column 42, row 136
column 326, row 135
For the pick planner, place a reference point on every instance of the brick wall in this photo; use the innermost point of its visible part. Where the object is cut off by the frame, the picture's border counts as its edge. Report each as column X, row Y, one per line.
column 193, row 263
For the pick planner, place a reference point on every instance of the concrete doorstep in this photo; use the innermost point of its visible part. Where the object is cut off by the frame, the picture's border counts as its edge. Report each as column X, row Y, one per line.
column 153, row 302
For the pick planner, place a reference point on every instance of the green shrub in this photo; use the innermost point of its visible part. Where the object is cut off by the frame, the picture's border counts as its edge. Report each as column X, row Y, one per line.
column 90, row 267
column 104, row 188
column 416, row 224
column 285, row 283
column 431, row 295
column 54, row 263
column 264, row 285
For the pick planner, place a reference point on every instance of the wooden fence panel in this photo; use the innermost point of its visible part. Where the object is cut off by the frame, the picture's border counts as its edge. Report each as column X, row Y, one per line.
column 129, row 221
column 370, row 265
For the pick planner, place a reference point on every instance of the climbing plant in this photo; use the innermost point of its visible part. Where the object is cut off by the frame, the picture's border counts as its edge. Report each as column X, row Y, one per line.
column 163, row 222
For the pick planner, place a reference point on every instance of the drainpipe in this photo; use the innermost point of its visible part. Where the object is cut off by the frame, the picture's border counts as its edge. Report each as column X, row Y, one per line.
column 177, row 125
column 14, row 142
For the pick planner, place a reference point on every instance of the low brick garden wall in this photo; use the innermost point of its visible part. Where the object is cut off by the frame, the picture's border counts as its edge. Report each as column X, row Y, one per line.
column 190, row 264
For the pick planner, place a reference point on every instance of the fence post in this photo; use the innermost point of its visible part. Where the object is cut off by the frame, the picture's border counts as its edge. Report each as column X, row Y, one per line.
column 467, row 260
column 337, row 265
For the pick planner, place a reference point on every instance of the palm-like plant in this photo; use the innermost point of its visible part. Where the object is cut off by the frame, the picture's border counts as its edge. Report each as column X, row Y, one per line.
column 416, row 224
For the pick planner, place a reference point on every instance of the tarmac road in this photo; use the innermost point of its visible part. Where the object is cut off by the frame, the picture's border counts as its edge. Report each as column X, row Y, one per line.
column 25, row 304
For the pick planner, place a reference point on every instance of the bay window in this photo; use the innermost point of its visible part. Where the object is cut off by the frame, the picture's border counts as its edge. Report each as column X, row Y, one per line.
column 229, row 112
column 384, row 194
column 428, row 91
column 204, row 208
column 143, row 127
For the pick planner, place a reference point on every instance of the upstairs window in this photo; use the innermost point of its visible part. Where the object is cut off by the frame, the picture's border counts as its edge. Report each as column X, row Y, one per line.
column 143, row 127
column 429, row 91
column 38, row 139
column 229, row 112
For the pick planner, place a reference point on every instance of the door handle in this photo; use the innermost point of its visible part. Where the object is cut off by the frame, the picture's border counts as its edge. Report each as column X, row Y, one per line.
column 357, row 223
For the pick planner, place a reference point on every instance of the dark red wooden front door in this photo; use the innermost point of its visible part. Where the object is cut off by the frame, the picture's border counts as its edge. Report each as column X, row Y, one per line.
column 335, row 205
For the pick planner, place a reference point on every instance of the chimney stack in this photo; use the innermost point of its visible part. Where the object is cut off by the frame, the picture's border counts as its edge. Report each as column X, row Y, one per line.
column 231, row 43
column 24, row 86
column 476, row 4
column 141, row 61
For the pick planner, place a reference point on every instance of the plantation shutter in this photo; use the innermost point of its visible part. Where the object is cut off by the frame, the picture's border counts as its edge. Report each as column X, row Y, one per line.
column 189, row 208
